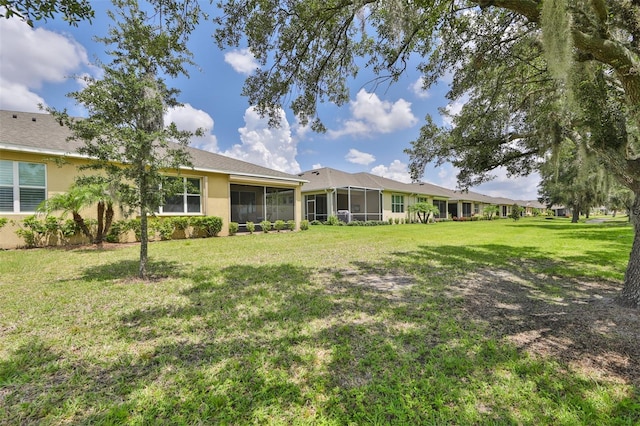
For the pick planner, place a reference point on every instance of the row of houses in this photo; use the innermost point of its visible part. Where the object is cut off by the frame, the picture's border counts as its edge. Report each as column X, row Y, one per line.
column 32, row 145
column 365, row 196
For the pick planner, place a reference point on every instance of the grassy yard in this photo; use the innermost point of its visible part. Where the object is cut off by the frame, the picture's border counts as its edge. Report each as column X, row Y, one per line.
column 454, row 323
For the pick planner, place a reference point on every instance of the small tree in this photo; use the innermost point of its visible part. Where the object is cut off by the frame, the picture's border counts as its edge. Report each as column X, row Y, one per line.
column 83, row 194
column 424, row 211
column 490, row 211
column 125, row 133
column 516, row 210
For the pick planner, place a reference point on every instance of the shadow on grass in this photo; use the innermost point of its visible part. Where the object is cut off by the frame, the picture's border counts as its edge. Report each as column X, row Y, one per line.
column 612, row 232
column 288, row 344
column 128, row 269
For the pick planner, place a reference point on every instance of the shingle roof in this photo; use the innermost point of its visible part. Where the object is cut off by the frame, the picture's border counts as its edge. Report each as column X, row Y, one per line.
column 38, row 132
column 326, row 178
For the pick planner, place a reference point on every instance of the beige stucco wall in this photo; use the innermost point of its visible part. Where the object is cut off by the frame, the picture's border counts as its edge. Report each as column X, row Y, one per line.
column 59, row 178
column 216, row 186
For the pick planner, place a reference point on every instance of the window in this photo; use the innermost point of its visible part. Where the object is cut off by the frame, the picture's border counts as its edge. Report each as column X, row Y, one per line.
column 397, row 203
column 423, row 200
column 22, row 186
column 187, row 201
column 466, row 209
column 280, row 204
column 442, row 206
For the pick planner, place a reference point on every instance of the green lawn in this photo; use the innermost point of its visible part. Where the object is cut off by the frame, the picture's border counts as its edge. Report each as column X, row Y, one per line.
column 403, row 324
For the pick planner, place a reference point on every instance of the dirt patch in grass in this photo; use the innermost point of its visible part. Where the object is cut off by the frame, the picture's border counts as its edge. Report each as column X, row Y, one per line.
column 575, row 321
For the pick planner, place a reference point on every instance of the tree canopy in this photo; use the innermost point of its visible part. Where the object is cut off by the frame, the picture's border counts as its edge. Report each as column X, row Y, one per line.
column 72, row 11
column 532, row 73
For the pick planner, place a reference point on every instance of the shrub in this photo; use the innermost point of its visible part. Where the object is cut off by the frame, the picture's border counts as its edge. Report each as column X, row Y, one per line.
column 304, row 225
column 31, row 231
column 315, row 222
column 266, row 226
column 332, row 221
column 164, row 228
column 279, row 225
column 67, row 229
column 180, row 223
column 3, row 221
column 291, row 225
column 233, row 228
column 210, row 226
column 396, row 220
column 390, row 221
column 117, row 229
column 251, row 227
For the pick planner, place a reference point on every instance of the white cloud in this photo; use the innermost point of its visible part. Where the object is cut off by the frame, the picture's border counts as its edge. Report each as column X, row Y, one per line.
column 357, row 157
column 453, row 109
column 447, row 176
column 17, row 97
column 372, row 115
column 418, row 89
column 31, row 57
column 189, row 118
column 317, row 166
column 269, row 147
column 514, row 187
column 397, row 170
column 242, row 61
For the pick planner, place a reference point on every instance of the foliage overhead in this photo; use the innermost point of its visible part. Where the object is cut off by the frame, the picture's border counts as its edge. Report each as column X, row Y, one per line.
column 72, row 11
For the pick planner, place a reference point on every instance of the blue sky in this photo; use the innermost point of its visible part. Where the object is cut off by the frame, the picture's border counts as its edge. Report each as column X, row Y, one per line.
column 369, row 134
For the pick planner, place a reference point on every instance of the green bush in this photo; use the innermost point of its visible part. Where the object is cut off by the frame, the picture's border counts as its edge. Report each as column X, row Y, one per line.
column 32, row 231
column 233, row 228
column 134, row 225
column 266, row 226
column 332, row 221
column 315, row 222
column 164, row 228
column 251, row 227
column 3, row 221
column 180, row 223
column 304, row 225
column 291, row 225
column 68, row 229
column 210, row 226
column 390, row 221
column 118, row 228
column 279, row 225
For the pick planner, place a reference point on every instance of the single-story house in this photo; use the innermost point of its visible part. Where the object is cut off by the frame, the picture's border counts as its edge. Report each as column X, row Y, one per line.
column 364, row 196
column 530, row 205
column 31, row 145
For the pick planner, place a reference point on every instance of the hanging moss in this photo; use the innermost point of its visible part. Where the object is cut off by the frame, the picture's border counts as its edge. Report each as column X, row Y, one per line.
column 556, row 37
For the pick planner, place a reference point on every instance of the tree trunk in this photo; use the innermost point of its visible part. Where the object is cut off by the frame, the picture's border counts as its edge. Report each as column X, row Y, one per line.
column 144, row 241
column 575, row 215
column 83, row 226
column 100, row 230
column 630, row 295
column 108, row 218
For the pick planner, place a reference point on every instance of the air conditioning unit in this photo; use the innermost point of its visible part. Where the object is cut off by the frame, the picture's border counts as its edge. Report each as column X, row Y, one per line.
column 344, row 216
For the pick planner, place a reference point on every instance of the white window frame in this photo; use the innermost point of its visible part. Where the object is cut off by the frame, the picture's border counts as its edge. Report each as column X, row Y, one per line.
column 15, row 185
column 185, row 197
